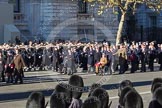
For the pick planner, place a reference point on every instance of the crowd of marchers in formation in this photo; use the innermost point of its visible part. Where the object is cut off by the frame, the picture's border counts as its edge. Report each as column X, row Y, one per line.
column 68, row 95
column 66, row 58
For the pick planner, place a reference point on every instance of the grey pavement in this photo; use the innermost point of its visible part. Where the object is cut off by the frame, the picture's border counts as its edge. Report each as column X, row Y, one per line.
column 14, row 96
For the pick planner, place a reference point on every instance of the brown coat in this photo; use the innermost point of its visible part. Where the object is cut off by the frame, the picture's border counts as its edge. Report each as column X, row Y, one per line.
column 123, row 53
column 18, row 62
column 103, row 61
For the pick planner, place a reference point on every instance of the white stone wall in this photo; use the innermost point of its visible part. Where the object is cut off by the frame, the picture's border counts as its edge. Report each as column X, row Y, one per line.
column 6, row 17
column 55, row 18
column 45, row 16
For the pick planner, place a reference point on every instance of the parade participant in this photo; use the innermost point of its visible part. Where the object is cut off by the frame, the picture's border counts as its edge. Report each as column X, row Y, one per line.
column 60, row 59
column 55, row 59
column 2, row 62
column 38, row 58
column 9, row 67
column 84, row 59
column 114, row 59
column 76, row 58
column 4, row 56
column 160, row 57
column 122, row 54
column 133, row 58
column 97, row 55
column 19, row 64
column 46, row 59
column 143, row 57
column 109, row 55
column 151, row 55
column 102, row 63
column 86, row 55
column 70, row 62
column 90, row 59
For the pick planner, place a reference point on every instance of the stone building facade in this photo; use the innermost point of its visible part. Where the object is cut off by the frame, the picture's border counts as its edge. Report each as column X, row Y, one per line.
column 146, row 25
column 75, row 20
column 63, row 19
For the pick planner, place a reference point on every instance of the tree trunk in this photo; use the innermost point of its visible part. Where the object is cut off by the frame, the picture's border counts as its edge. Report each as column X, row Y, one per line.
column 120, row 28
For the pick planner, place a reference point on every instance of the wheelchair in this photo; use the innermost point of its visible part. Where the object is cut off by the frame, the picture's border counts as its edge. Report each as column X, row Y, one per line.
column 102, row 70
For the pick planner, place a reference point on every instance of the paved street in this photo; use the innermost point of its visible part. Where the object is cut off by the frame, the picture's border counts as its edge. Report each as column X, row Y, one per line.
column 14, row 96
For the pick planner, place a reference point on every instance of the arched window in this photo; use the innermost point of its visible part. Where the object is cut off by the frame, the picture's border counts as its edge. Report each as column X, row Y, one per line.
column 16, row 4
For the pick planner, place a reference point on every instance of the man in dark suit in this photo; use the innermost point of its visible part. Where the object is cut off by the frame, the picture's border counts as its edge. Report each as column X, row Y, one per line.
column 55, row 55
column 90, row 59
column 19, row 64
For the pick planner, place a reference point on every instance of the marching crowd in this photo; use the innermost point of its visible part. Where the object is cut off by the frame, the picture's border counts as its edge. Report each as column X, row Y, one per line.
column 68, row 95
column 66, row 57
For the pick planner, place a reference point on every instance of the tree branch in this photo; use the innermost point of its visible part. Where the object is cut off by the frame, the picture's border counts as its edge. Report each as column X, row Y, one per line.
column 121, row 6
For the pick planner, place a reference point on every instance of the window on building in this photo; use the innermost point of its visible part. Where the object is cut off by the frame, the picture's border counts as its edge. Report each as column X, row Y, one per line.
column 153, row 21
column 153, row 28
column 16, row 4
column 82, row 4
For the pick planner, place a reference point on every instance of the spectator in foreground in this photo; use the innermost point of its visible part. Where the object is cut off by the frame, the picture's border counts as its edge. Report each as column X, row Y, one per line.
column 103, row 96
column 77, row 84
column 156, row 84
column 155, row 81
column 124, row 84
column 57, row 101
column 133, row 100
column 93, row 87
column 157, row 102
column 92, row 102
column 63, row 90
column 36, row 100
